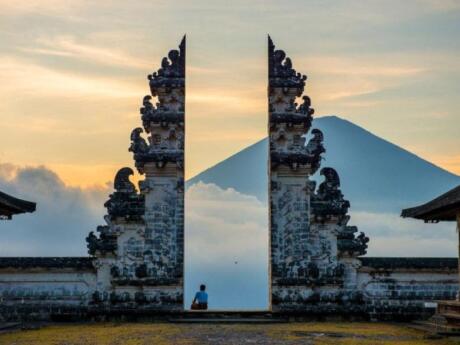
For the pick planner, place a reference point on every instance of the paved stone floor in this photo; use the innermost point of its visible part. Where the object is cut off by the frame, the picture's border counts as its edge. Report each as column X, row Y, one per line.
column 238, row 334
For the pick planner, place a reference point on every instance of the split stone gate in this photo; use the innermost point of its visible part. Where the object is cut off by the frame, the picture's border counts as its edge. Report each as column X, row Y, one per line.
column 140, row 252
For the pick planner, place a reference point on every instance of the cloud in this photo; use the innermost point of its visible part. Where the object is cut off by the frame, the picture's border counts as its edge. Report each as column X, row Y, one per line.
column 367, row 65
column 226, row 99
column 28, row 79
column 391, row 235
column 347, row 76
column 445, row 5
column 63, row 218
column 44, row 7
column 67, row 46
column 7, row 171
column 226, row 247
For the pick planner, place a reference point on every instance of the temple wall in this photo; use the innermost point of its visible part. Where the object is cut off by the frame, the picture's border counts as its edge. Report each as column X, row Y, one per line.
column 55, row 286
column 408, row 291
column 381, row 289
column 35, row 292
column 384, row 288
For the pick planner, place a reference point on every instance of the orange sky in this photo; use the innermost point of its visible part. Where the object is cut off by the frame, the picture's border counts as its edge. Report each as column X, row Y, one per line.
column 74, row 73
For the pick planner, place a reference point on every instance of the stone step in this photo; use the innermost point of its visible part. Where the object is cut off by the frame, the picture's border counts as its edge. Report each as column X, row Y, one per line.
column 249, row 320
column 451, row 315
column 435, row 328
column 9, row 325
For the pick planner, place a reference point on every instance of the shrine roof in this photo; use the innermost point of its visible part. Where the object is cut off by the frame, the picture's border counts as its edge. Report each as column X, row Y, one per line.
column 10, row 205
column 443, row 208
column 392, row 263
column 79, row 263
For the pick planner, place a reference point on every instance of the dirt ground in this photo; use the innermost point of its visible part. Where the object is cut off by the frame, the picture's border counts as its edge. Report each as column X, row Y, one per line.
column 238, row 334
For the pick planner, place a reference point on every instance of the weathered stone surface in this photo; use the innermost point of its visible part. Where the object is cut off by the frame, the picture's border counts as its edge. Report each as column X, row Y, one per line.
column 416, row 264
column 150, row 259
column 313, row 251
column 16, row 263
column 125, row 202
column 399, row 288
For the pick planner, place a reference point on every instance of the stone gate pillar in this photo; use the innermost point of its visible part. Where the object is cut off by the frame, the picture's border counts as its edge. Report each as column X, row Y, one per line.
column 139, row 254
column 291, row 164
column 313, row 250
column 161, row 160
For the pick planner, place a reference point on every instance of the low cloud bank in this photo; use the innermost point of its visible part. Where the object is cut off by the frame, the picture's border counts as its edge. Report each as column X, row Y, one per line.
column 63, row 218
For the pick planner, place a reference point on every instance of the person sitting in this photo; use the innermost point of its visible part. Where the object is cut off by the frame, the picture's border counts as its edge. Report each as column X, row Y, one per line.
column 200, row 302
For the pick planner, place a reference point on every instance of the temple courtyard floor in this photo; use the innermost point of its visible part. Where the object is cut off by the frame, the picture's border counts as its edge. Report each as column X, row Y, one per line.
column 167, row 333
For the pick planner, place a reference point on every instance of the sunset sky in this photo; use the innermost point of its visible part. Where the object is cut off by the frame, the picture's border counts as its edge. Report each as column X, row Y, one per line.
column 73, row 74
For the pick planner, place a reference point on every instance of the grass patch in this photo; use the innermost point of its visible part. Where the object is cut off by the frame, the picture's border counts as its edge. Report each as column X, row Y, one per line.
column 327, row 333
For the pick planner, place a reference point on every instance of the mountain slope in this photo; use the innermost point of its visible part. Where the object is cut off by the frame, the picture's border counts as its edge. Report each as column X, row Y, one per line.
column 376, row 175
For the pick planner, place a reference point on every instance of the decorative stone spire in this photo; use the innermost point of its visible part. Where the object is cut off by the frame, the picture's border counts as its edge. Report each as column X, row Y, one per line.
column 280, row 71
column 125, row 202
column 164, row 121
column 290, row 122
column 329, row 201
column 125, row 205
column 172, row 71
column 348, row 244
column 105, row 244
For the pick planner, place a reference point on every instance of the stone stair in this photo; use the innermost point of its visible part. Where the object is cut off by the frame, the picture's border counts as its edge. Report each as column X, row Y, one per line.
column 6, row 326
column 230, row 317
column 437, row 324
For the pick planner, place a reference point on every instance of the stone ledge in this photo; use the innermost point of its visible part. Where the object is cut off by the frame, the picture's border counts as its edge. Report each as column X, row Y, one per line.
column 395, row 263
column 79, row 263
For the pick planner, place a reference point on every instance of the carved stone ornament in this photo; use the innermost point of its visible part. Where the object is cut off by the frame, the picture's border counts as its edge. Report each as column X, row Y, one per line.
column 280, row 71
